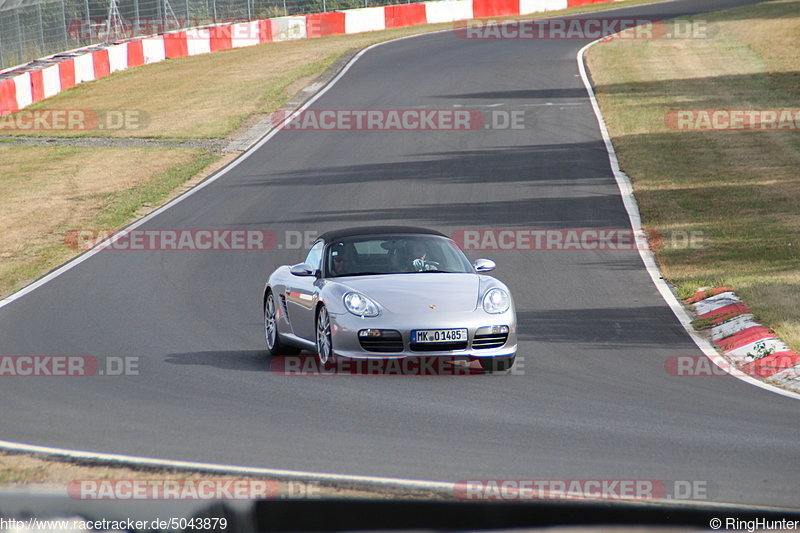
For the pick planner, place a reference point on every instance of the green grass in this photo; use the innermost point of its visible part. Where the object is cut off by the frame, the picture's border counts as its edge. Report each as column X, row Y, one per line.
column 123, row 205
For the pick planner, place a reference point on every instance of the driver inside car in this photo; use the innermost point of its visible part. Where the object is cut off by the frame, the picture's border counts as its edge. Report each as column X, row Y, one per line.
column 341, row 262
column 421, row 261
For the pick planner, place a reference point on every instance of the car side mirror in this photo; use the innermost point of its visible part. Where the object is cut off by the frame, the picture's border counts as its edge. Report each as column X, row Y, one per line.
column 484, row 265
column 303, row 269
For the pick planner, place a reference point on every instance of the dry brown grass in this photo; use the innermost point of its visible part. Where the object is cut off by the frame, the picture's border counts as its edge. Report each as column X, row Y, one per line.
column 29, row 470
column 45, row 191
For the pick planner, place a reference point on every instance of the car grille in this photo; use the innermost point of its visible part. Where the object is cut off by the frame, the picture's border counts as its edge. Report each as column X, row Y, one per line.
column 438, row 346
column 389, row 341
column 489, row 340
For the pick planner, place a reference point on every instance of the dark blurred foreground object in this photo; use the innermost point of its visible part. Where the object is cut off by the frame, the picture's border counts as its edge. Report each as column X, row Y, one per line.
column 354, row 515
column 376, row 515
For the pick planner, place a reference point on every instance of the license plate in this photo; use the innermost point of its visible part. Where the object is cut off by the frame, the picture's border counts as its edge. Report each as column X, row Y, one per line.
column 438, row 335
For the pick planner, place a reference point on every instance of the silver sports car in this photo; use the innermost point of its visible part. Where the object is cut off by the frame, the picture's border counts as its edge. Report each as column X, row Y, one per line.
column 390, row 292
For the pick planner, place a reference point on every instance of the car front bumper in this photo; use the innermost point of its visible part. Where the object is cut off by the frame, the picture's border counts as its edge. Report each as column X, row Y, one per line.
column 484, row 331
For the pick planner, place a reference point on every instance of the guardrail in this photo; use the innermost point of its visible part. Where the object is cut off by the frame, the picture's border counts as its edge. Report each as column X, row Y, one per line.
column 30, row 29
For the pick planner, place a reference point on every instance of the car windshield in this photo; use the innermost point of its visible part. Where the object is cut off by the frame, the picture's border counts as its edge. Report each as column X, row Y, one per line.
column 394, row 254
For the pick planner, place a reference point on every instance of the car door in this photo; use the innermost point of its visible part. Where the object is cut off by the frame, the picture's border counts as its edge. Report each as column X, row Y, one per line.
column 302, row 294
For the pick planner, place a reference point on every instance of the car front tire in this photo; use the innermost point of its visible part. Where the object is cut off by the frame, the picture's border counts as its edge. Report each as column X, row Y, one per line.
column 273, row 339
column 324, row 338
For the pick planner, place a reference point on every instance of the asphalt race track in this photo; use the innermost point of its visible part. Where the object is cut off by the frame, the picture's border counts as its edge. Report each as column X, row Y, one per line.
column 594, row 400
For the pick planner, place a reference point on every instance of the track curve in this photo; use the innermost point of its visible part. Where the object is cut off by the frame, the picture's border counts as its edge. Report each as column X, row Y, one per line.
column 594, row 402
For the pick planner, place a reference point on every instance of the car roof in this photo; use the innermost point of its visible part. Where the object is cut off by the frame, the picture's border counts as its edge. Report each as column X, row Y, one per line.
column 377, row 230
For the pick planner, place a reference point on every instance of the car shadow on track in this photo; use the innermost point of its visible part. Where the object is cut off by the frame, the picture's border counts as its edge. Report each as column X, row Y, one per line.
column 252, row 360
column 308, row 364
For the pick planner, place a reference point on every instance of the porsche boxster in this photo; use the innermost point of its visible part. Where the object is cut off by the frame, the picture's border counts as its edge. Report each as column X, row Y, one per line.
column 390, row 292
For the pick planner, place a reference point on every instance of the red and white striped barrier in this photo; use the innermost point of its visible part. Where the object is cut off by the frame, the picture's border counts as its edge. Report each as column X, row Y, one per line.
column 154, row 49
column 321, row 24
column 84, row 68
column 51, row 81
column 494, row 8
column 403, row 15
column 448, row 11
column 246, row 34
column 535, row 6
column 23, row 90
column 118, row 57
column 21, row 87
column 288, row 28
column 753, row 348
column 198, row 41
column 364, row 19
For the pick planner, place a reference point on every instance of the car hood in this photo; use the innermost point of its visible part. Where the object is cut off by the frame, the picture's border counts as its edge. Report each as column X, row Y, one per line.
column 415, row 293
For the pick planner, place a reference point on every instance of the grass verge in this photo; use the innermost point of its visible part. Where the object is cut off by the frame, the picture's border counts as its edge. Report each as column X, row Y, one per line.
column 738, row 190
column 46, row 191
column 53, row 473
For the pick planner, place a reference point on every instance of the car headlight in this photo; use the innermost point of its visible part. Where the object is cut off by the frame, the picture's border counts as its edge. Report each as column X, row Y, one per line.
column 496, row 301
column 360, row 305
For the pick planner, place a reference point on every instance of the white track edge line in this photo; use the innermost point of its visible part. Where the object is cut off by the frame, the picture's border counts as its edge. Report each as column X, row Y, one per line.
column 375, row 481
column 222, row 468
column 626, row 192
